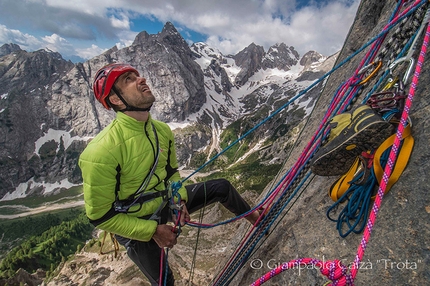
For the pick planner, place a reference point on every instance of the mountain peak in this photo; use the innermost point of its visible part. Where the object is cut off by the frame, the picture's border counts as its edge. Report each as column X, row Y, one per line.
column 249, row 59
column 310, row 57
column 169, row 27
column 172, row 36
column 280, row 56
column 141, row 37
column 9, row 48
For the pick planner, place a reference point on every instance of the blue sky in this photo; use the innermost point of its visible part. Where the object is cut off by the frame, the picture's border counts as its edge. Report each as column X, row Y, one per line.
column 84, row 29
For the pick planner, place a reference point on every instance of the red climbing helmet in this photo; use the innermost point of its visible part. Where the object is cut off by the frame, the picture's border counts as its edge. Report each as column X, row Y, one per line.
column 105, row 79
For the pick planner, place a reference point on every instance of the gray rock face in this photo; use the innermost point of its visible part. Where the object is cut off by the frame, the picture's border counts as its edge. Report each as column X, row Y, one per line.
column 281, row 56
column 226, row 85
column 48, row 110
column 25, row 80
column 309, row 58
column 397, row 252
column 249, row 59
column 167, row 62
column 9, row 48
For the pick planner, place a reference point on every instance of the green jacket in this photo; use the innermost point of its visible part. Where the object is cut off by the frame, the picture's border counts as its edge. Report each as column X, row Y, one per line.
column 127, row 147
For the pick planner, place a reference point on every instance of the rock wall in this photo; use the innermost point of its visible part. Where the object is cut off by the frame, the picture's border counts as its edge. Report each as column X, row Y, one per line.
column 398, row 251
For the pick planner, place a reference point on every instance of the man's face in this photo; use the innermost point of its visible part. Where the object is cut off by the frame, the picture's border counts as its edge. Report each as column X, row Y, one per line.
column 134, row 90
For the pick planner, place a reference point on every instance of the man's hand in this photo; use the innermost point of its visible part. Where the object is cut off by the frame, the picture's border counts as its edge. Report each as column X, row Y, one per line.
column 165, row 236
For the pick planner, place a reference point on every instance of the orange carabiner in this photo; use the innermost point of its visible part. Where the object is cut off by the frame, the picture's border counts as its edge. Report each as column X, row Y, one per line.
column 376, row 66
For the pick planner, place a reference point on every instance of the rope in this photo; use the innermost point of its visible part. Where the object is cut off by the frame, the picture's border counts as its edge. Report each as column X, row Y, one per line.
column 335, row 271
column 392, row 156
column 174, row 195
column 357, row 208
column 285, row 186
column 163, row 266
column 193, row 263
column 252, row 238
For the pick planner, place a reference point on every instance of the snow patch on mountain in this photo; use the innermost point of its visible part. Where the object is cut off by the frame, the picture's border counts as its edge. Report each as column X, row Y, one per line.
column 57, row 136
column 227, row 105
column 22, row 190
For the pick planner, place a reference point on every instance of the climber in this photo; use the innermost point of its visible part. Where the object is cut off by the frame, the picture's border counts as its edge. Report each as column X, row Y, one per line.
column 127, row 169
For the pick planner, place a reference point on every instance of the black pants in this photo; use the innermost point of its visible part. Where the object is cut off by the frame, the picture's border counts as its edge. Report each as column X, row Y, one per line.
column 147, row 255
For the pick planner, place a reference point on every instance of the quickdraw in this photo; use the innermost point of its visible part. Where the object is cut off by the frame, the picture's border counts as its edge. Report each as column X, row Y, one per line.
column 405, row 30
column 114, row 242
column 387, row 101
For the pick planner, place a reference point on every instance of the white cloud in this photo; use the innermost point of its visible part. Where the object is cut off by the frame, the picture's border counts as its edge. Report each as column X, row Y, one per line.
column 233, row 25
column 87, row 53
column 229, row 25
column 26, row 41
column 57, row 43
column 120, row 21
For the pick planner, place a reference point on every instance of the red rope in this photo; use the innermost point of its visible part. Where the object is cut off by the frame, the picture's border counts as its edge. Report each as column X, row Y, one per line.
column 162, row 257
column 392, row 157
column 334, row 270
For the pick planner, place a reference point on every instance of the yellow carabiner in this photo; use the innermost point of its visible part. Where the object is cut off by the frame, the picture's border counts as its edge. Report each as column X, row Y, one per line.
column 391, row 82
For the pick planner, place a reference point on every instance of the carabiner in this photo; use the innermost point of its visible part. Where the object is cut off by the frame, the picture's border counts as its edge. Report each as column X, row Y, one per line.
column 412, row 48
column 376, row 66
column 408, row 70
column 390, row 83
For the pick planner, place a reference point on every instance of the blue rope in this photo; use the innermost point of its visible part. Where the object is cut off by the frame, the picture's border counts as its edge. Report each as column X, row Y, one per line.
column 223, row 278
column 357, row 209
column 354, row 215
column 381, row 34
column 320, row 132
column 262, row 233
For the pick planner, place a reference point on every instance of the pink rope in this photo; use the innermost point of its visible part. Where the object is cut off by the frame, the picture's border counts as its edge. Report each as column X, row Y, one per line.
column 392, row 157
column 334, row 270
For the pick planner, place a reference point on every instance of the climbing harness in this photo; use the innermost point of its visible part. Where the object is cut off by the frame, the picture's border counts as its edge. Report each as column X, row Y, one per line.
column 140, row 196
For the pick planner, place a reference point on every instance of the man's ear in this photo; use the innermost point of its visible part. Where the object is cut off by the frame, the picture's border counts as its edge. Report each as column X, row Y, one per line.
column 114, row 99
